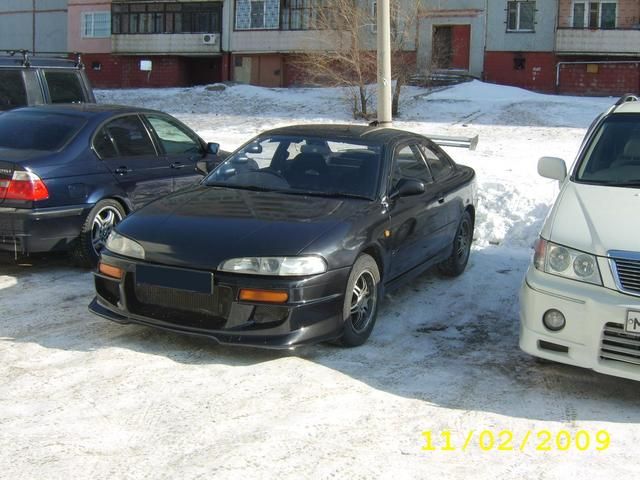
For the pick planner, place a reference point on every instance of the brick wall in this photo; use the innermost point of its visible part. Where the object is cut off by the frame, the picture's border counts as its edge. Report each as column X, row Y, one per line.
column 530, row 70
column 600, row 79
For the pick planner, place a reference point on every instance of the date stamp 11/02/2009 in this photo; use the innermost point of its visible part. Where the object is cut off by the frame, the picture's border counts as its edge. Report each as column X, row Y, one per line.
column 508, row 441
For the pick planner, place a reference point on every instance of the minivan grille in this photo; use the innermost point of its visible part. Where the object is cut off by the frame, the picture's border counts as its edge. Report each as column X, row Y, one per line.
column 626, row 270
column 618, row 345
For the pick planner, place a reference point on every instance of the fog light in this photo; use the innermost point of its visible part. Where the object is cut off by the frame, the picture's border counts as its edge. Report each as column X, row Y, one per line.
column 554, row 320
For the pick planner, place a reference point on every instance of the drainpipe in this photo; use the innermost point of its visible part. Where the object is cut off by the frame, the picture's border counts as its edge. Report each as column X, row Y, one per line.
column 33, row 26
column 602, row 62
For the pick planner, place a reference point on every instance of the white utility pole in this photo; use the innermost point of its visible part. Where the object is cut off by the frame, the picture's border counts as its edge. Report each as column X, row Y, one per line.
column 384, row 62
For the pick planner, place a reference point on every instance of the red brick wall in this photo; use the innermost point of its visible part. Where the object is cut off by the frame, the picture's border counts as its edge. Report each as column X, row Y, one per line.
column 610, row 79
column 124, row 71
column 538, row 73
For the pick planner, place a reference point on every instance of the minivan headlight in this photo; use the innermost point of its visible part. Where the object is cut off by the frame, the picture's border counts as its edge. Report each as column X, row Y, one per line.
column 566, row 262
column 124, row 246
column 279, row 266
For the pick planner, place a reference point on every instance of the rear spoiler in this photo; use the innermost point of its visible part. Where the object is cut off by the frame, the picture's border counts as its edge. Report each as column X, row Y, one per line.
column 463, row 142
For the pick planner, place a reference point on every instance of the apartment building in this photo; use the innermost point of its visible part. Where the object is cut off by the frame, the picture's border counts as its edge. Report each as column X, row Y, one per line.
column 36, row 25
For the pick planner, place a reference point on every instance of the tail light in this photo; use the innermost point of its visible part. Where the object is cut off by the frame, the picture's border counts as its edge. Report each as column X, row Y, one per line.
column 23, row 185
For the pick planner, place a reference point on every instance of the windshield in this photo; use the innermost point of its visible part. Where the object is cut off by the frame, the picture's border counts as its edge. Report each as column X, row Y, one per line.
column 613, row 157
column 303, row 165
column 33, row 130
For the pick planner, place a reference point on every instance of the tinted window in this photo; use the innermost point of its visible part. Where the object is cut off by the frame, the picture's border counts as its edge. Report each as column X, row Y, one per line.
column 12, row 91
column 38, row 130
column 174, row 138
column 438, row 162
column 130, row 137
column 64, row 87
column 103, row 144
column 613, row 156
column 409, row 164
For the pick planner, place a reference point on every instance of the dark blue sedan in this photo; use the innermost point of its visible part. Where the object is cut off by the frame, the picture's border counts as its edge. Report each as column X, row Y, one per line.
column 69, row 173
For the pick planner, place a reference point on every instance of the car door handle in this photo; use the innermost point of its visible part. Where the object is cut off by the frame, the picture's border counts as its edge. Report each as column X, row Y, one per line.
column 122, row 170
column 441, row 200
column 177, row 165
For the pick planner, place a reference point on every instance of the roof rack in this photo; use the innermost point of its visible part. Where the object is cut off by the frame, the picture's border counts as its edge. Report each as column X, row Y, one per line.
column 27, row 55
column 628, row 97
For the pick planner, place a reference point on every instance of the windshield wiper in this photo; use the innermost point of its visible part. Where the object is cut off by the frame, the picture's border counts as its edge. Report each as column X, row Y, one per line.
column 314, row 193
column 239, row 186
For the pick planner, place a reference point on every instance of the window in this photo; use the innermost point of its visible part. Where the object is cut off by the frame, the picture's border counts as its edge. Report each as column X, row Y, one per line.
column 103, row 145
column 12, row 91
column 184, row 17
column 409, row 164
column 303, row 15
column 39, row 130
column 594, row 15
column 131, row 137
column 173, row 138
column 257, row 14
column 438, row 162
column 521, row 16
column 96, row 24
column 64, row 87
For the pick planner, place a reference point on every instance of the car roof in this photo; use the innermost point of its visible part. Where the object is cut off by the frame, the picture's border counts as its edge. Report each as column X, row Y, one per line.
column 86, row 109
column 366, row 133
column 628, row 107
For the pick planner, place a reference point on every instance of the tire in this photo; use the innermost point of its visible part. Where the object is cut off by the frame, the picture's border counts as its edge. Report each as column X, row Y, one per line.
column 94, row 232
column 360, row 302
column 457, row 261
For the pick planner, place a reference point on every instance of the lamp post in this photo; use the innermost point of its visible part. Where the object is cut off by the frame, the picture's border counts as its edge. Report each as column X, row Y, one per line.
column 384, row 62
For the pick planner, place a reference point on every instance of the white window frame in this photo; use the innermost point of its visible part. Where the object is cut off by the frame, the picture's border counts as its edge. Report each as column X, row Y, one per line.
column 586, row 4
column 518, row 28
column 88, row 18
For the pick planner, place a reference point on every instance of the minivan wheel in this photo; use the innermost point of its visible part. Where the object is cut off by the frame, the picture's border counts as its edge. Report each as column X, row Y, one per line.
column 457, row 261
column 96, row 228
column 360, row 302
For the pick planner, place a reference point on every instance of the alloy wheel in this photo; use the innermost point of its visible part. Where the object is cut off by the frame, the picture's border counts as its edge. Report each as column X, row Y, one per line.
column 363, row 301
column 103, row 223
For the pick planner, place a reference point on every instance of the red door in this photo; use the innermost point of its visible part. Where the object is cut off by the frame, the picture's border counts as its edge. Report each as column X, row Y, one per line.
column 460, row 46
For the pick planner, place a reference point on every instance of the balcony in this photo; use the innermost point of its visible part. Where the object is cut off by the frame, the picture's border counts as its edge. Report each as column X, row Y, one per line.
column 166, row 43
column 587, row 41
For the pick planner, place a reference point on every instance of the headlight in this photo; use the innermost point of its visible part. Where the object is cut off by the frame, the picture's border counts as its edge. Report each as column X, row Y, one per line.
column 566, row 262
column 124, row 246
column 283, row 266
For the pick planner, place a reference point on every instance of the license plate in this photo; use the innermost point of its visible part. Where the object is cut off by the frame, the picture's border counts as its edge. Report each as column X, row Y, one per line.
column 633, row 322
column 177, row 278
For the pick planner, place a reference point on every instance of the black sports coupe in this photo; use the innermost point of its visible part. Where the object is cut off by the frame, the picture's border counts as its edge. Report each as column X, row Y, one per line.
column 293, row 239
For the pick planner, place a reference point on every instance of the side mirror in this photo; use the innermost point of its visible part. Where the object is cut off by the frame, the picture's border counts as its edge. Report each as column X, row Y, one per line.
column 253, row 148
column 552, row 167
column 213, row 148
column 407, row 187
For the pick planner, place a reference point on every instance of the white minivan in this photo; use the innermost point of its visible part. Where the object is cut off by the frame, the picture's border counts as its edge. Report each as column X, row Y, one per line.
column 580, row 299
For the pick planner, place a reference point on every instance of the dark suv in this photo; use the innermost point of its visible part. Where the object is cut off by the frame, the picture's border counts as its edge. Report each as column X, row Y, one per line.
column 35, row 80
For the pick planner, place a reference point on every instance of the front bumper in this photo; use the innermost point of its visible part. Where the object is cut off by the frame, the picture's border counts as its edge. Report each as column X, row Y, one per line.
column 594, row 334
column 26, row 230
column 312, row 314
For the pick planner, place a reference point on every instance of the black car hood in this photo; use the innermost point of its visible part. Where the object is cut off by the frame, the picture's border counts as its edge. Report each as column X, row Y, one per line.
column 202, row 226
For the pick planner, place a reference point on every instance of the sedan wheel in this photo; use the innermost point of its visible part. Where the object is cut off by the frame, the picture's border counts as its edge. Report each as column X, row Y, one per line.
column 99, row 223
column 361, row 301
column 457, row 262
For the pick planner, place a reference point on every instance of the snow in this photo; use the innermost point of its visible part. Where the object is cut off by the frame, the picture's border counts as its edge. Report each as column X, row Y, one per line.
column 83, row 397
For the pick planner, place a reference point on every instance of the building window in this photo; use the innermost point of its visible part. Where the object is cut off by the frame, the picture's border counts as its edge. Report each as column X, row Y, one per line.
column 257, row 14
column 521, row 16
column 183, row 17
column 302, row 15
column 594, row 15
column 96, row 24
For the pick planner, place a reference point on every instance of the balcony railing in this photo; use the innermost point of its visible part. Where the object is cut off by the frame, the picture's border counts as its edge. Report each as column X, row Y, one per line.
column 610, row 42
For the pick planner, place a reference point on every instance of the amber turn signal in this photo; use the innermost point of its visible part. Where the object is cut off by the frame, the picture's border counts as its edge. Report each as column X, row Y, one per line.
column 268, row 296
column 110, row 271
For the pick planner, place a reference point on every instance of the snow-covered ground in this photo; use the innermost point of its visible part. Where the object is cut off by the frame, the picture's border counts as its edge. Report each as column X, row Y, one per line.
column 81, row 397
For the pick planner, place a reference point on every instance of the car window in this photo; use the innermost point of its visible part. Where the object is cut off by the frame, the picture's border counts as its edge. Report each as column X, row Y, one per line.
column 64, row 87
column 408, row 163
column 439, row 164
column 12, row 91
column 103, row 144
column 29, row 130
column 130, row 136
column 173, row 137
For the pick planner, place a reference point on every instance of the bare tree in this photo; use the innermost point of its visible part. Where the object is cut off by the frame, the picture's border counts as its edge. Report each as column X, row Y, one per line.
column 346, row 55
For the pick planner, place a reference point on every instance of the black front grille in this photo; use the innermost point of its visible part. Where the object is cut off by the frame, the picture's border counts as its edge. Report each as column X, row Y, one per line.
column 618, row 345
column 627, row 272
column 179, row 299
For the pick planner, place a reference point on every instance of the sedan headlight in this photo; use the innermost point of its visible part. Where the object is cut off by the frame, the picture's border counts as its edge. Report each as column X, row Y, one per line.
column 566, row 262
column 282, row 266
column 124, row 246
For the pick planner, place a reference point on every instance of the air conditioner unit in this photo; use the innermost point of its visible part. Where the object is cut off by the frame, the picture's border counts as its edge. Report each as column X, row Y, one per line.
column 210, row 38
